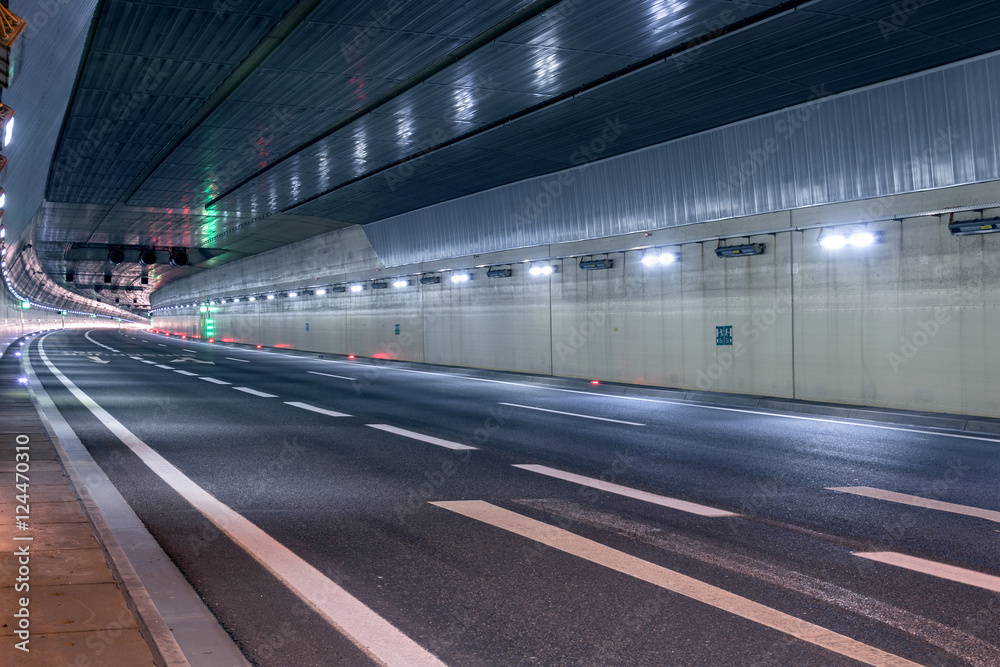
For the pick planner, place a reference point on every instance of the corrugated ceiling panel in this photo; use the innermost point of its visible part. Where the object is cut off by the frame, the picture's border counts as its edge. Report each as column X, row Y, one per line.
column 919, row 130
column 150, row 67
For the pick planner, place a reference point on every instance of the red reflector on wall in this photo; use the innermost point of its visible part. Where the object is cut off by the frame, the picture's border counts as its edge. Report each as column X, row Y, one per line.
column 350, row 356
column 594, row 382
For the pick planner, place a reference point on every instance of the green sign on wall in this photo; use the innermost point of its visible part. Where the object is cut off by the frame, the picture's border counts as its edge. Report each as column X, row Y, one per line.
column 724, row 335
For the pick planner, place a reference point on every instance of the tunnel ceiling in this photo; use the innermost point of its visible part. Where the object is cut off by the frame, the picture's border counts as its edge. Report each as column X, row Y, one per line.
column 238, row 126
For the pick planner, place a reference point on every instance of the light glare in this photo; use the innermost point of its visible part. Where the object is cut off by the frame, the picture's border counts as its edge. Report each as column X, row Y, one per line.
column 862, row 239
column 833, row 241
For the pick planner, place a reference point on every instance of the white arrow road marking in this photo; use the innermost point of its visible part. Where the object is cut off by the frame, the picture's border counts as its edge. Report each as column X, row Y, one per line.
column 181, row 360
column 98, row 360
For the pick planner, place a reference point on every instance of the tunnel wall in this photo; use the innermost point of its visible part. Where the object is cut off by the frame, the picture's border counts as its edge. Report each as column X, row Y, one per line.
column 16, row 321
column 905, row 324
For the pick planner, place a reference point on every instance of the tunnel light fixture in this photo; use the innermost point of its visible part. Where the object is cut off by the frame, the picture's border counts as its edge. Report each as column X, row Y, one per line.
column 178, row 257
column 357, row 288
column 596, row 264
column 236, row 300
column 856, row 238
column 293, row 295
column 743, row 250
column 833, row 241
column 658, row 257
column 861, row 239
column 380, row 284
column 320, row 292
column 499, row 273
column 270, row 297
column 251, row 298
column 339, row 289
column 968, row 227
column 3, row 199
column 222, row 300
column 430, row 280
column 402, row 282
column 541, row 270
column 459, row 278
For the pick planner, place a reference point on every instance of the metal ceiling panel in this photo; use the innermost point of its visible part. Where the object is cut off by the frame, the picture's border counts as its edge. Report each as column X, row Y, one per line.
column 147, row 57
column 722, row 82
column 885, row 140
column 520, row 70
column 335, row 62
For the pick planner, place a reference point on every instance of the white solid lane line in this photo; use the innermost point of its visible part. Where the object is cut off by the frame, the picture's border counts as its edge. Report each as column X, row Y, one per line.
column 213, row 380
column 313, row 408
column 244, row 361
column 147, row 361
column 572, row 414
column 917, row 501
column 188, row 373
column 330, row 375
column 935, row 569
column 189, row 352
column 673, row 503
column 670, row 580
column 254, row 392
column 169, row 368
column 421, row 437
column 374, row 635
column 161, row 344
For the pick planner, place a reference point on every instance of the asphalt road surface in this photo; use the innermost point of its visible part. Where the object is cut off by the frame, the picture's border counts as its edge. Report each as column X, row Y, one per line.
column 334, row 512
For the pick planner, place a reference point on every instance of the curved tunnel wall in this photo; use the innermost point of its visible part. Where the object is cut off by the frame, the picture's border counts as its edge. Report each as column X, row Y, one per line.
column 16, row 321
column 903, row 324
